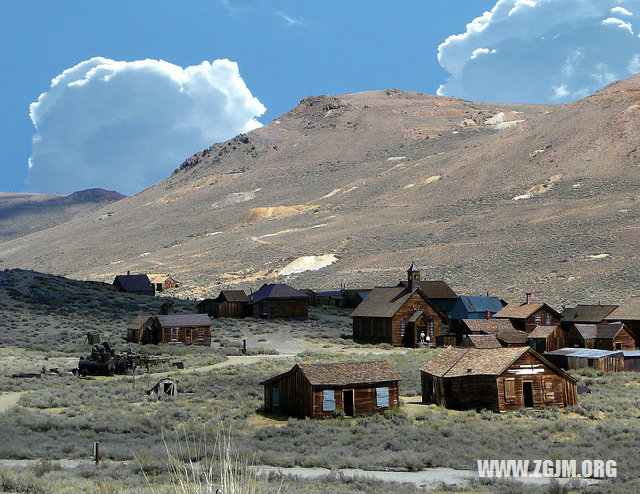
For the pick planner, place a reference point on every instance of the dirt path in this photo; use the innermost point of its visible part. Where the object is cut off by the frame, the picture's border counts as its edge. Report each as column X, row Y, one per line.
column 8, row 400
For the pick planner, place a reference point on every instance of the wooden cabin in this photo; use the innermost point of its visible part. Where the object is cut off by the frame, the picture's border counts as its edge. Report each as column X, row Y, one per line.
column 631, row 360
column 139, row 330
column 134, row 283
column 163, row 282
column 279, row 301
column 581, row 358
column 326, row 390
column 605, row 336
column 313, row 296
column 502, row 329
column 629, row 314
column 481, row 341
column 439, row 292
column 527, row 316
column 397, row 316
column 546, row 338
column 586, row 314
column 343, row 298
column 185, row 329
column 498, row 379
column 229, row 303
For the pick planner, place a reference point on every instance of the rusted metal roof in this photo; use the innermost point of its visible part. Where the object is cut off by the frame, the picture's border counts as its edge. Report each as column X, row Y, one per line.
column 542, row 331
column 275, row 291
column 482, row 341
column 630, row 310
column 345, row 373
column 183, row 320
column 604, row 330
column 583, row 313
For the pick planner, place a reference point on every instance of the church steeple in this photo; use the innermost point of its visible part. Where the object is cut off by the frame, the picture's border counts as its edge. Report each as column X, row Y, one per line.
column 413, row 277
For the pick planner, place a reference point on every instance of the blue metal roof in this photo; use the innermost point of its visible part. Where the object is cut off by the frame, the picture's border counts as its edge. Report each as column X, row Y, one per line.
column 469, row 304
column 631, row 353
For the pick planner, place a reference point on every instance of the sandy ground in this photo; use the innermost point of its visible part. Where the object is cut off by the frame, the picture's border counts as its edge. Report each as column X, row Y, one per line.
column 8, row 400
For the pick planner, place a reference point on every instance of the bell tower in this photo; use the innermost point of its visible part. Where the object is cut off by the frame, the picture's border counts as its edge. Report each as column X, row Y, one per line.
column 413, row 277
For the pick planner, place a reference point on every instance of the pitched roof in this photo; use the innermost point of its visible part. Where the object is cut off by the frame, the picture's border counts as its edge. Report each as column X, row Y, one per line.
column 456, row 362
column 134, row 282
column 502, row 329
column 233, row 296
column 184, row 320
column 630, row 310
column 518, row 311
column 468, row 304
column 138, row 322
column 583, row 313
column 345, row 373
column 482, row 341
column 435, row 289
column 604, row 330
column 160, row 278
column 542, row 331
column 386, row 301
column 276, row 290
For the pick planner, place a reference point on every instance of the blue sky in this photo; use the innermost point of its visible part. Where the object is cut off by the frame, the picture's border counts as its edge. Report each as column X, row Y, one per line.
column 285, row 50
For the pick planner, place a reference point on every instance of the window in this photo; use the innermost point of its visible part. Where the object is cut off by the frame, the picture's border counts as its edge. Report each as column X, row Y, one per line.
column 328, row 400
column 618, row 346
column 403, row 327
column 382, row 397
column 275, row 396
column 201, row 333
column 431, row 328
column 509, row 390
column 538, row 319
column 549, row 320
column 549, row 394
column 174, row 334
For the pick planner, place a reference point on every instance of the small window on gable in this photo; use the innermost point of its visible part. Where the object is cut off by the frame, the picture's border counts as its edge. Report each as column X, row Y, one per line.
column 328, row 400
column 174, row 334
column 549, row 322
column 549, row 394
column 382, row 397
column 509, row 390
column 201, row 334
column 538, row 319
column 275, row 396
column 618, row 346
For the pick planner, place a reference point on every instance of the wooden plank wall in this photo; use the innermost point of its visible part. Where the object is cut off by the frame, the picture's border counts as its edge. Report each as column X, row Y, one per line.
column 364, row 398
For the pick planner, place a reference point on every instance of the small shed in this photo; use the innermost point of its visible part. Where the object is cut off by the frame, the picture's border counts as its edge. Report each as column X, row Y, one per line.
column 140, row 330
column 631, row 360
column 279, row 301
column 134, row 283
column 498, row 379
column 186, row 329
column 325, row 390
column 604, row 336
column 481, row 341
column 546, row 338
column 163, row 282
column 580, row 358
column 229, row 303
column 164, row 387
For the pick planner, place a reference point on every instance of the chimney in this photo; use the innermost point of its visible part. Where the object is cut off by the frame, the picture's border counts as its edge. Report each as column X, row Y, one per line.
column 529, row 298
column 488, row 314
column 128, row 273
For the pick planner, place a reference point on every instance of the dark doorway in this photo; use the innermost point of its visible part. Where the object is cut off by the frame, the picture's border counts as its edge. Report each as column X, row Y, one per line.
column 527, row 394
column 347, row 398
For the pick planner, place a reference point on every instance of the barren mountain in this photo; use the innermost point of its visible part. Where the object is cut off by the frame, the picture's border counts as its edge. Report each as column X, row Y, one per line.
column 22, row 214
column 499, row 197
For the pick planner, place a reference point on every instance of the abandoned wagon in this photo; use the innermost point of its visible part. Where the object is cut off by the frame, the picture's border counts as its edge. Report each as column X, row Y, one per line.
column 134, row 283
column 605, row 336
column 186, row 329
column 546, row 338
column 325, row 390
column 229, row 303
column 581, row 358
column 525, row 317
column 498, row 379
column 279, row 301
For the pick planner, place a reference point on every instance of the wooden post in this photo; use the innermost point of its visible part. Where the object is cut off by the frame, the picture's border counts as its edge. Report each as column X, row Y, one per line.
column 244, row 346
column 96, row 451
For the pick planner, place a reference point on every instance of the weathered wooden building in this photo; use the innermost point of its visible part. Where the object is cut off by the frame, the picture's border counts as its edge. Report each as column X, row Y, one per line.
column 313, row 296
column 580, row 358
column 139, row 330
column 134, row 283
column 163, row 282
column 629, row 314
column 343, row 298
column 185, row 329
column 229, row 303
column 439, row 292
column 325, row 390
column 498, row 379
column 631, row 360
column 502, row 329
column 397, row 316
column 546, row 338
column 525, row 317
column 586, row 314
column 279, row 301
column 604, row 336
column 481, row 341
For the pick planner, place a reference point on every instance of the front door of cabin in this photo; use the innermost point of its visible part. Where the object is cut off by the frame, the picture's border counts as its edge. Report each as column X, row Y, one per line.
column 187, row 337
column 527, row 394
column 347, row 400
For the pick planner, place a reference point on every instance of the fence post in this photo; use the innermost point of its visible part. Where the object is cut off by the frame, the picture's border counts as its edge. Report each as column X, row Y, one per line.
column 96, row 451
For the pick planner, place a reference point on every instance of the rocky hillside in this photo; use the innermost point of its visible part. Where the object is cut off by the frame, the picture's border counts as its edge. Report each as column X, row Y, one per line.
column 22, row 214
column 500, row 198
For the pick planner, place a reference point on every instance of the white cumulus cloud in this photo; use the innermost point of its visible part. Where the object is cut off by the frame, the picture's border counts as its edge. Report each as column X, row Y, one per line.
column 126, row 125
column 541, row 50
